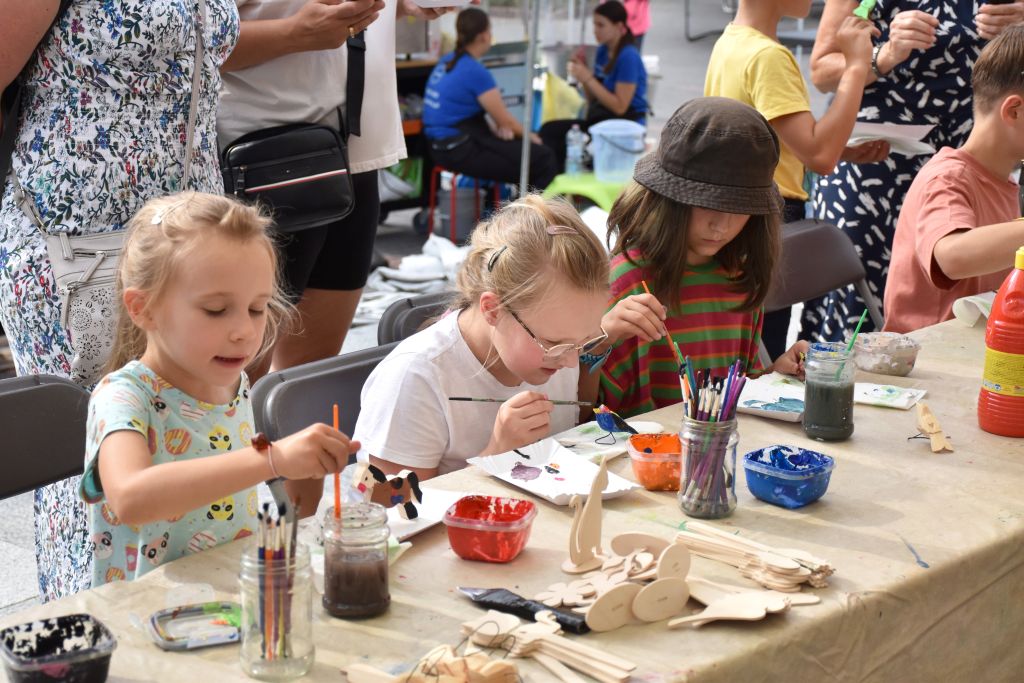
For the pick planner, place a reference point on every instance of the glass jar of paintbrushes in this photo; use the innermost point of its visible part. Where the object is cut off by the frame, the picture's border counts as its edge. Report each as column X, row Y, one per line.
column 707, row 487
column 277, row 604
column 356, row 561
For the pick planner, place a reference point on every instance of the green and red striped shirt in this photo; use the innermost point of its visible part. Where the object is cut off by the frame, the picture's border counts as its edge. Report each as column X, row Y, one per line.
column 641, row 376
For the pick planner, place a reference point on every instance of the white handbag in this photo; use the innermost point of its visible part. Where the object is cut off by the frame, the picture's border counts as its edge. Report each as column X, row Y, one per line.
column 85, row 266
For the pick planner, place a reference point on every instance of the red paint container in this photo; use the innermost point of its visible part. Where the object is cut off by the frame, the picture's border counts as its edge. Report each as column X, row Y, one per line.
column 489, row 528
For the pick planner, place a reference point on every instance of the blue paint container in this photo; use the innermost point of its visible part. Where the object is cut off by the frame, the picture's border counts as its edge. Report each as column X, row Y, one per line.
column 787, row 476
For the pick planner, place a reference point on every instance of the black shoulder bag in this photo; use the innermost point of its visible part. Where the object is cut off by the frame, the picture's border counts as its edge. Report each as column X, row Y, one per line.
column 300, row 171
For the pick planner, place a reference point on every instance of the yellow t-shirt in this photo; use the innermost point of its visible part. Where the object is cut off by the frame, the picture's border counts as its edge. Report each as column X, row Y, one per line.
column 748, row 66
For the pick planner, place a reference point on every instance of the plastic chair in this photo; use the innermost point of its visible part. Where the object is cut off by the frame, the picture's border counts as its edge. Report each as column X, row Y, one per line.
column 287, row 401
column 42, row 423
column 817, row 258
column 406, row 317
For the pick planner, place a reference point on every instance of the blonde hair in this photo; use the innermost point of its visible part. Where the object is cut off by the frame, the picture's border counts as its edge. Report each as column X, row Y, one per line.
column 164, row 233
column 522, row 248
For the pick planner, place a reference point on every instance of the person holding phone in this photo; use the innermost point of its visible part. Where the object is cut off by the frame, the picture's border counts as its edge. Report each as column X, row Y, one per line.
column 920, row 74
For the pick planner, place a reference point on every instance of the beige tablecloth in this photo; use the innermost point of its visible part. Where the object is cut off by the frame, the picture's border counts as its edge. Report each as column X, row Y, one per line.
column 929, row 551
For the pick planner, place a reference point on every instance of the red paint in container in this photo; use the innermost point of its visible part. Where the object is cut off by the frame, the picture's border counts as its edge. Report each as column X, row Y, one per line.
column 489, row 528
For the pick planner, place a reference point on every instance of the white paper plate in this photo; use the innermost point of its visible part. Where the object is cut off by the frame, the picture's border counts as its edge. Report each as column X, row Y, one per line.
column 442, row 3
column 583, row 439
column 550, row 471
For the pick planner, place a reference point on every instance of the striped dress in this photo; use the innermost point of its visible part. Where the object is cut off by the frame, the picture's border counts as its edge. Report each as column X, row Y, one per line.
column 641, row 376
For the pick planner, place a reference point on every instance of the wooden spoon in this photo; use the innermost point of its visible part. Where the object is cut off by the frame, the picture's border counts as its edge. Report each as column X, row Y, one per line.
column 739, row 606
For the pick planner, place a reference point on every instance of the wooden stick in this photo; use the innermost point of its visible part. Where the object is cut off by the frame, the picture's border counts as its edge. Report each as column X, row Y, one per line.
column 564, row 673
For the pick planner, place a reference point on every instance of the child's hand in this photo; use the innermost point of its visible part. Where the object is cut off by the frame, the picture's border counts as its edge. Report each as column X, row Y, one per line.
column 640, row 315
column 792, row 361
column 523, row 419
column 854, row 38
column 316, row 451
column 869, row 152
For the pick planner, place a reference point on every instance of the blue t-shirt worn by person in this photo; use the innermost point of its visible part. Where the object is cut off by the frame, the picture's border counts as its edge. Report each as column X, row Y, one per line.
column 629, row 68
column 451, row 96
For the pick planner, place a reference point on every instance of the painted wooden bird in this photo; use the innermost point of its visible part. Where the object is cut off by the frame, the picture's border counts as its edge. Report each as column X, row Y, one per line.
column 610, row 421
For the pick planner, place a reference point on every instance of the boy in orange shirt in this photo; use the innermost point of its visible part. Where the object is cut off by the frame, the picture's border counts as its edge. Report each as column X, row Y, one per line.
column 957, row 231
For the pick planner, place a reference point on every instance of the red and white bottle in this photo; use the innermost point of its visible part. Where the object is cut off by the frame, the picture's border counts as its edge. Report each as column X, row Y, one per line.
column 1001, row 402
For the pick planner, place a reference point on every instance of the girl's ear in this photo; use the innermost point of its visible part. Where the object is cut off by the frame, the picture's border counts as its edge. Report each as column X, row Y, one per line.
column 490, row 307
column 135, row 302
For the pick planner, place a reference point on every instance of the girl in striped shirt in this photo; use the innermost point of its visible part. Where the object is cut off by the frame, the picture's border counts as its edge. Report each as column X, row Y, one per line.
column 699, row 229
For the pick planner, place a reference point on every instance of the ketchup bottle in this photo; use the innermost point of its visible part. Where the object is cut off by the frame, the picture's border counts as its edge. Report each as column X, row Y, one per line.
column 1001, row 402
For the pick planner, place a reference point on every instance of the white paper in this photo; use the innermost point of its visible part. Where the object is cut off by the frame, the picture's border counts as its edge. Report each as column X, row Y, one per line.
column 774, row 395
column 886, row 395
column 550, row 471
column 592, row 442
column 431, row 511
column 970, row 309
column 903, row 138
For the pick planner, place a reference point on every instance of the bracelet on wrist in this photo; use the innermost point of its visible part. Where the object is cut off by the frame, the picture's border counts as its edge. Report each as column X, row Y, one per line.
column 874, row 61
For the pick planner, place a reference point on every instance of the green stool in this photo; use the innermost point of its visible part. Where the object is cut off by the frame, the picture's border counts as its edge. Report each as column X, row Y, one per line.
column 585, row 185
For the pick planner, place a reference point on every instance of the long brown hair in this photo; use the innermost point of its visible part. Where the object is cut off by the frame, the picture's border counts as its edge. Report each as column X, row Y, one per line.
column 162, row 235
column 656, row 226
column 615, row 12
column 470, row 23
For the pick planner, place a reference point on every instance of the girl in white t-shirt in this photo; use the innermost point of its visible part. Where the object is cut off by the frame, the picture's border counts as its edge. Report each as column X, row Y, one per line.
column 531, row 294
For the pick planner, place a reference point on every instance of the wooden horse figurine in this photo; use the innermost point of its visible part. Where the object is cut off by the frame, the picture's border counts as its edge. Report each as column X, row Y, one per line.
column 585, row 535
column 402, row 490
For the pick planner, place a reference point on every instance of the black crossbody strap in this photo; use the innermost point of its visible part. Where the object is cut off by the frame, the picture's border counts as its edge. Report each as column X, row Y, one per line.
column 10, row 105
column 355, row 81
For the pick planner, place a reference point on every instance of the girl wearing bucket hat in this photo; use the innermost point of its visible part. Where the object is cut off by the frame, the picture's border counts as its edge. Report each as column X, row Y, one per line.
column 699, row 227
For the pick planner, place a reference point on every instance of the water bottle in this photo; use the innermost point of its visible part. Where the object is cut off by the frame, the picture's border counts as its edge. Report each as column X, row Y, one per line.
column 575, row 139
column 1001, row 401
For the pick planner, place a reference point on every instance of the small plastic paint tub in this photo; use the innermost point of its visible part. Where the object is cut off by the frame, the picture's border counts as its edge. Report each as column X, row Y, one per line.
column 489, row 528
column 657, row 460
column 787, row 476
column 885, row 353
column 74, row 648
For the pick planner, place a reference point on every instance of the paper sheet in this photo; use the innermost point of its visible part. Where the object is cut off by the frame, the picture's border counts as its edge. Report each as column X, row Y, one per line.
column 593, row 443
column 781, row 397
column 904, row 139
column 970, row 309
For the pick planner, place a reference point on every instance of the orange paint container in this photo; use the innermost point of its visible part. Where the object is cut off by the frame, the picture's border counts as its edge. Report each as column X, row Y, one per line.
column 657, row 460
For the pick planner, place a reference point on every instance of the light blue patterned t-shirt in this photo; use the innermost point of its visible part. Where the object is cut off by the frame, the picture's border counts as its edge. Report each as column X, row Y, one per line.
column 176, row 427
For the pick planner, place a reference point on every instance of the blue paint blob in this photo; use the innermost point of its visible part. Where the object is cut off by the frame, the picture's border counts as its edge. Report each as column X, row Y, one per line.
column 787, row 476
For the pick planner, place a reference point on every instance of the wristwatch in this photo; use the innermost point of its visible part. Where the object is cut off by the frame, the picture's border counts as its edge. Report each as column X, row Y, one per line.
column 874, row 61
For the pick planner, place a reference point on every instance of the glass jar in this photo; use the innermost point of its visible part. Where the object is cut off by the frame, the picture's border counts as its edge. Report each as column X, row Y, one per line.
column 707, row 486
column 828, row 397
column 356, row 561
column 277, row 615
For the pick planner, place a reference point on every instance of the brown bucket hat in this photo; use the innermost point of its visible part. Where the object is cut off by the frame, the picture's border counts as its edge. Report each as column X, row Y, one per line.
column 718, row 154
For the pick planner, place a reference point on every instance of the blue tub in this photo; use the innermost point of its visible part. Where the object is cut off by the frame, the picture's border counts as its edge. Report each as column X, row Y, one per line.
column 787, row 476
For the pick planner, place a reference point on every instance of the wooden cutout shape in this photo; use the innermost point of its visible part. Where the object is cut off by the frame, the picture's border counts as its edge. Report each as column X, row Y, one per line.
column 402, row 489
column 705, row 592
column 600, row 583
column 642, row 561
column 739, row 606
column 674, row 561
column 559, row 594
column 929, row 426
column 624, row 544
column 621, row 574
column 662, row 599
column 585, row 534
column 613, row 609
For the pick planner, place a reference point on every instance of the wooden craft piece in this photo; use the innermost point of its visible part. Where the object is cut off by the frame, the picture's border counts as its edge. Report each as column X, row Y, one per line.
column 567, row 594
column 641, row 563
column 621, row 574
column 441, row 665
column 624, row 544
column 739, row 606
column 613, row 609
column 585, row 534
column 661, row 599
column 402, row 489
column 600, row 583
column 706, row 592
column 674, row 561
column 929, row 426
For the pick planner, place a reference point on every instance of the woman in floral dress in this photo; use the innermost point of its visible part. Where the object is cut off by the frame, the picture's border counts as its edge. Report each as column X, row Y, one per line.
column 924, row 57
column 102, row 129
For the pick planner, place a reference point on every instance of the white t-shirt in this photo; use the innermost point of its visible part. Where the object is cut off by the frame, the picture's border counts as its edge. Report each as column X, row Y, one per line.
column 308, row 87
column 406, row 416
